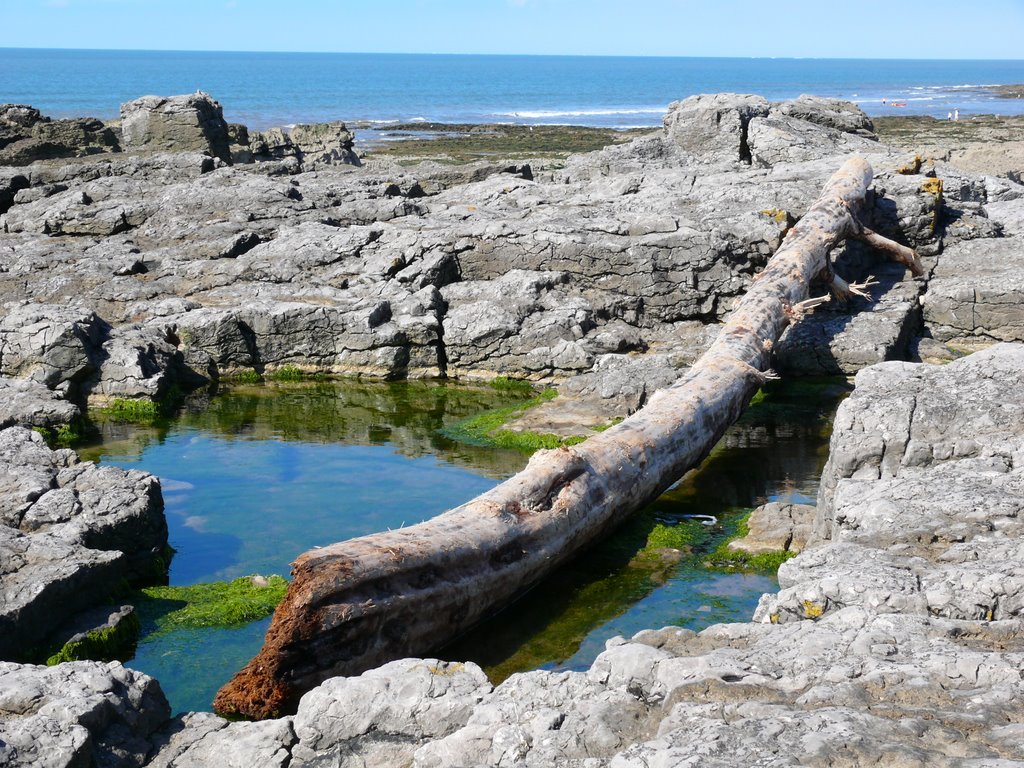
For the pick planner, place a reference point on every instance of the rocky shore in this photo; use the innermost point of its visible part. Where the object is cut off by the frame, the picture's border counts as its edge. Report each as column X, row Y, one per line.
column 143, row 259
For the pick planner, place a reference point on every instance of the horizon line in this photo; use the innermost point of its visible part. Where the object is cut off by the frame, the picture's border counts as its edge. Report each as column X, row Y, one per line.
column 525, row 55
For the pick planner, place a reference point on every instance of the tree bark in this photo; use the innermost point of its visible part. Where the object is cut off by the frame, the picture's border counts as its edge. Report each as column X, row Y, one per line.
column 363, row 602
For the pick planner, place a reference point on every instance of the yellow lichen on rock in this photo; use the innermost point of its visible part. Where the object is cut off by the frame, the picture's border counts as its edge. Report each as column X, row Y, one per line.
column 446, row 670
column 911, row 168
column 781, row 216
column 932, row 187
column 813, row 610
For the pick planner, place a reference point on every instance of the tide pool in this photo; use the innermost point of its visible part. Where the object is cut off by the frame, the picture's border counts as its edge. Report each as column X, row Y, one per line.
column 257, row 474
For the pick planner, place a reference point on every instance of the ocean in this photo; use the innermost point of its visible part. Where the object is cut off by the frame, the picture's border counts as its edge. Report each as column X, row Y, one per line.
column 267, row 89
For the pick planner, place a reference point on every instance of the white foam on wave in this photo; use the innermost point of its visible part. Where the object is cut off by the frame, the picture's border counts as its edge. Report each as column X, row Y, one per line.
column 541, row 114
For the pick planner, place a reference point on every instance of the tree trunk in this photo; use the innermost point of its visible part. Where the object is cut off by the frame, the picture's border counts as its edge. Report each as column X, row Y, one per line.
column 360, row 603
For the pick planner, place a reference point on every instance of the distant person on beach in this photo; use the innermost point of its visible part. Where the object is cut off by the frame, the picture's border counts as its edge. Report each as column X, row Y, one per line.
column 883, row 102
column 949, row 115
column 956, row 114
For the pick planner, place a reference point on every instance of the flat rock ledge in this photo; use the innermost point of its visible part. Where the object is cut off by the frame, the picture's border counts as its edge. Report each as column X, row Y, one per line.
column 896, row 638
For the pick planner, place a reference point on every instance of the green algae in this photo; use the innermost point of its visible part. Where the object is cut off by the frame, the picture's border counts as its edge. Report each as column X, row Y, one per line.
column 64, row 435
column 764, row 562
column 243, row 377
column 486, row 429
column 133, row 410
column 137, row 410
column 216, row 604
column 115, row 643
column 294, row 373
column 511, row 386
column 456, row 144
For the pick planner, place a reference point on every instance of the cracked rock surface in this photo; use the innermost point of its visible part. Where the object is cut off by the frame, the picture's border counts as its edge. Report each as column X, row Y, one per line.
column 70, row 534
column 148, row 267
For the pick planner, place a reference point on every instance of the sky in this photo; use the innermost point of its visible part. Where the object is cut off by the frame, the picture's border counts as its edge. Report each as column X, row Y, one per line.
column 934, row 29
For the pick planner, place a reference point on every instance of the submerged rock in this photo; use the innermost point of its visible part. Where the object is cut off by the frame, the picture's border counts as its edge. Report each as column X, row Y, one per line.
column 776, row 527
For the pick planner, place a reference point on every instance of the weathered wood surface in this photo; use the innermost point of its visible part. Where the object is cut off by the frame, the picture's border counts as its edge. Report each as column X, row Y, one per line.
column 363, row 602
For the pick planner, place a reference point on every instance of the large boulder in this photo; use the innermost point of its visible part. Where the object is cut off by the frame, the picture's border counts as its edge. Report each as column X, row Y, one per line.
column 28, row 403
column 190, row 123
column 976, row 294
column 840, row 115
column 302, row 147
column 714, row 126
column 53, row 345
column 324, row 144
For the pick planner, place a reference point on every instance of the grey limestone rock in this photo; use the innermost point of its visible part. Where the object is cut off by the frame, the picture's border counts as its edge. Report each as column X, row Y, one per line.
column 78, row 714
column 189, row 123
column 837, row 339
column 841, row 115
column 134, row 363
column 540, row 718
column 41, row 576
column 976, row 292
column 714, row 126
column 635, row 241
column 323, row 144
column 28, row 403
column 49, row 344
column 201, row 739
column 776, row 139
column 378, row 718
column 27, row 136
column 520, row 322
column 72, row 533
column 12, row 182
column 401, row 704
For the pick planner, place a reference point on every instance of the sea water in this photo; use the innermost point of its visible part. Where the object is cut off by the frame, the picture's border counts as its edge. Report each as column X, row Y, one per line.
column 268, row 89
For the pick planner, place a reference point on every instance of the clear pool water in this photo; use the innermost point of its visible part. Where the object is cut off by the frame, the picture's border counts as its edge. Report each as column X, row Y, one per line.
column 260, row 473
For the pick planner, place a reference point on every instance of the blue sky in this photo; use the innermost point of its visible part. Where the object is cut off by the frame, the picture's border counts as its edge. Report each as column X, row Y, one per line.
column 823, row 28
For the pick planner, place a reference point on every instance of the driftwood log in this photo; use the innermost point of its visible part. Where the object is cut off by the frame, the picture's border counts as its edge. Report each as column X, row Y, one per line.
column 360, row 603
